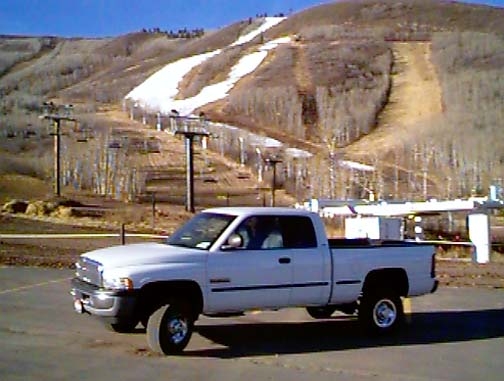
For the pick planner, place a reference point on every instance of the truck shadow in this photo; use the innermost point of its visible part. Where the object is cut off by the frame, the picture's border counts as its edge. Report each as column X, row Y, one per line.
column 341, row 333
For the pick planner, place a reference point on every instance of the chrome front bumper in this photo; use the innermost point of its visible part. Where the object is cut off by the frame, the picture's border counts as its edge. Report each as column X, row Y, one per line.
column 111, row 305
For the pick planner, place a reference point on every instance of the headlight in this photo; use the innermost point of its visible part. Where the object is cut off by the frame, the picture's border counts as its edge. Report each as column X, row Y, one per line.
column 117, row 283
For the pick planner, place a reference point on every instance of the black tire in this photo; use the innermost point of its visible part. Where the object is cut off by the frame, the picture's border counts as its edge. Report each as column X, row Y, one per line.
column 348, row 309
column 126, row 326
column 320, row 312
column 381, row 312
column 169, row 329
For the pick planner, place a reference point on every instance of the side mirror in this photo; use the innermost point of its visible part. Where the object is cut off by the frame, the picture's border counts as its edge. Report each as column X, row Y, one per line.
column 233, row 242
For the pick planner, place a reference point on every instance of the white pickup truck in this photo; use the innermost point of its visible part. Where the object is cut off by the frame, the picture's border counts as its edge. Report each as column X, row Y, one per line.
column 225, row 261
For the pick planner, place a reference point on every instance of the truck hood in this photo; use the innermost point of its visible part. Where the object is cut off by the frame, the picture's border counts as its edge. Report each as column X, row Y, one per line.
column 144, row 254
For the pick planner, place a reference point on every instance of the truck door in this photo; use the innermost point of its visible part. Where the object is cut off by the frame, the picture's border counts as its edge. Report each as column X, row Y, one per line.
column 256, row 275
column 311, row 267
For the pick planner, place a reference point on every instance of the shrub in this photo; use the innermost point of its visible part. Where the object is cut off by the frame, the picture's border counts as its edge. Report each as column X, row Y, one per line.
column 15, row 206
column 37, row 208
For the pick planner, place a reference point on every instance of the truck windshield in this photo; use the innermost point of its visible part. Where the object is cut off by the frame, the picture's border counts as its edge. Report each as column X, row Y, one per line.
column 201, row 231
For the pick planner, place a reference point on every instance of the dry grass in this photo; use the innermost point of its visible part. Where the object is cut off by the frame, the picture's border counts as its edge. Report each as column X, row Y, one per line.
column 15, row 186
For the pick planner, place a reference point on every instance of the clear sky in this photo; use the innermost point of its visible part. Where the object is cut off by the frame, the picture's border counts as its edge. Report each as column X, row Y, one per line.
column 102, row 18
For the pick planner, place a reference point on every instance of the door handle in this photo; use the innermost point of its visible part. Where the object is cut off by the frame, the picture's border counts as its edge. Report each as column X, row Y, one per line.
column 284, row 260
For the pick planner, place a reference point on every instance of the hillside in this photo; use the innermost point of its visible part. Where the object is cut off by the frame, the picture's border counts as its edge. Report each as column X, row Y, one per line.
column 411, row 89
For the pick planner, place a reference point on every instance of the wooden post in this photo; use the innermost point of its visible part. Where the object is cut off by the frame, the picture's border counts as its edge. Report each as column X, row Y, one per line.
column 123, row 234
column 153, row 199
column 273, row 161
column 57, row 161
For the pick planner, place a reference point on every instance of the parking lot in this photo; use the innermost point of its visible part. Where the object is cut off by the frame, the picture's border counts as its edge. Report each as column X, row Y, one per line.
column 455, row 334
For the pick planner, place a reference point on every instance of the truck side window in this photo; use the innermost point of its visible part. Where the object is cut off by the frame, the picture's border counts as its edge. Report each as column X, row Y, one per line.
column 261, row 232
column 298, row 232
column 274, row 236
column 275, row 232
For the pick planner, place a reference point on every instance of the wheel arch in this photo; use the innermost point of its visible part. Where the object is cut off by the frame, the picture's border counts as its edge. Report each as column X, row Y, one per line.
column 154, row 294
column 388, row 278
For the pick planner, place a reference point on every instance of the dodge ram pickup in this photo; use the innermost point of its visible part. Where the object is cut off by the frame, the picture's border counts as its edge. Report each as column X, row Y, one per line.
column 225, row 261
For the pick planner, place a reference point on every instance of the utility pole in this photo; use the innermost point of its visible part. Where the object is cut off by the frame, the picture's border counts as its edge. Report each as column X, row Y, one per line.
column 51, row 112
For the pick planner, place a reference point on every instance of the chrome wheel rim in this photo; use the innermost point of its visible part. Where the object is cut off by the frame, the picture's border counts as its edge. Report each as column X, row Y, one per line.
column 178, row 328
column 384, row 313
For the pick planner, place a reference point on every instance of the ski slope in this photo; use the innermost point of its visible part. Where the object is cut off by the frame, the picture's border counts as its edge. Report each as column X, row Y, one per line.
column 158, row 92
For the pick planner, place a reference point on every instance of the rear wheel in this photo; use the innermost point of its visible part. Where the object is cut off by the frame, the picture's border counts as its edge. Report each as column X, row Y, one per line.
column 169, row 329
column 381, row 312
column 349, row 308
column 320, row 312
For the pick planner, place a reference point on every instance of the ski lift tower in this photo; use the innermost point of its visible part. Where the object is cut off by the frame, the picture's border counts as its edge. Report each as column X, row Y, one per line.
column 57, row 113
column 190, row 127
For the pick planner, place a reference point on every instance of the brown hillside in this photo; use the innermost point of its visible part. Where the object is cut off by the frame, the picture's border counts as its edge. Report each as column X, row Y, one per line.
column 398, row 19
column 413, row 88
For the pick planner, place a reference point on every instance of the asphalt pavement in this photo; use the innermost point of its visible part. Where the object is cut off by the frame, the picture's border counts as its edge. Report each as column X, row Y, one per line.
column 454, row 334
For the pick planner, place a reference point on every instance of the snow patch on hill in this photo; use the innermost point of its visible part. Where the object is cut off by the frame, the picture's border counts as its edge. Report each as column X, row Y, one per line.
column 161, row 88
column 269, row 22
column 158, row 92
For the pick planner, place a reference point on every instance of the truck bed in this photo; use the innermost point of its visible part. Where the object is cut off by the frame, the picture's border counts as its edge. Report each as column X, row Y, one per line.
column 346, row 243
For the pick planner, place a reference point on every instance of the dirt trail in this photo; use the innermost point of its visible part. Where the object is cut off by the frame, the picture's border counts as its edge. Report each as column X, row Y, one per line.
column 302, row 71
column 415, row 97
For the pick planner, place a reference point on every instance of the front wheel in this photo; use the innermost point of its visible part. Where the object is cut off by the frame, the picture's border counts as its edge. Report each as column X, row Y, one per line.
column 381, row 312
column 124, row 326
column 169, row 329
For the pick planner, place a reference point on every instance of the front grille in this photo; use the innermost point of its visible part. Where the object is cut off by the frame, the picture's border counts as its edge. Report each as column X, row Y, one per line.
column 88, row 271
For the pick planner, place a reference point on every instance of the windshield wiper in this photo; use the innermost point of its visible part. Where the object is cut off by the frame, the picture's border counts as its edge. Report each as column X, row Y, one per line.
column 178, row 244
